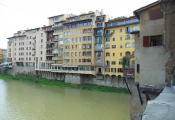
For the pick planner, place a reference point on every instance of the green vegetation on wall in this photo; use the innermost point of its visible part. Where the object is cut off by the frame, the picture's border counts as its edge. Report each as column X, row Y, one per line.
column 61, row 83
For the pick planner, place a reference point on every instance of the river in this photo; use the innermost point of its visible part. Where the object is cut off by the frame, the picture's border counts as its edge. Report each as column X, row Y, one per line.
column 21, row 100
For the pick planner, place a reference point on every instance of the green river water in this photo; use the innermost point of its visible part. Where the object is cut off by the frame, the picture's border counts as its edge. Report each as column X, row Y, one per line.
column 20, row 100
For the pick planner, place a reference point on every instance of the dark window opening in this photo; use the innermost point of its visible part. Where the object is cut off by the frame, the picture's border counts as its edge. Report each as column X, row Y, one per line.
column 156, row 40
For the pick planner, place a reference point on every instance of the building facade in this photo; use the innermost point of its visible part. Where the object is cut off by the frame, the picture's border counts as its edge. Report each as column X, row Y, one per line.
column 76, row 47
column 118, row 43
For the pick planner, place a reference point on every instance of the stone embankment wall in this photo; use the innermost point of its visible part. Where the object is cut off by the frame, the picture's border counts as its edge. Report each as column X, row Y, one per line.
column 18, row 69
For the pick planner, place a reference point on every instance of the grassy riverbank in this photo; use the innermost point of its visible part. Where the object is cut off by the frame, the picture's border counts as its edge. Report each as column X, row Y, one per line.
column 56, row 83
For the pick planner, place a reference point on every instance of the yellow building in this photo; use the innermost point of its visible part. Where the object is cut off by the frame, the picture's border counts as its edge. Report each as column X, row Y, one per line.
column 119, row 43
column 79, row 44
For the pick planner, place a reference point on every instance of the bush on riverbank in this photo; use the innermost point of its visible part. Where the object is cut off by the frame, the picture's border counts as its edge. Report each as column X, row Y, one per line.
column 56, row 83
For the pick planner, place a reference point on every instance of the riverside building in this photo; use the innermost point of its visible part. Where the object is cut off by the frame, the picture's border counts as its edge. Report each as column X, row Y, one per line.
column 118, row 43
column 75, row 48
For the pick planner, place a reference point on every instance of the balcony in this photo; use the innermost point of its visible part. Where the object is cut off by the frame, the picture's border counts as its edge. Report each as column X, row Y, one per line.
column 54, row 58
column 57, row 26
column 98, row 34
column 129, row 72
column 49, row 29
column 100, row 19
column 49, row 48
column 50, row 41
column 34, row 48
column 33, row 54
column 49, row 54
column 108, row 34
column 34, row 38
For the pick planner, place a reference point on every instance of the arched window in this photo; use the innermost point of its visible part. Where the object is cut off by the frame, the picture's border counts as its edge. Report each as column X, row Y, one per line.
column 135, row 28
column 127, row 45
column 127, row 53
column 107, row 46
column 107, row 54
column 41, row 34
column 107, row 39
column 127, row 37
column 133, row 44
column 127, row 29
column 107, row 31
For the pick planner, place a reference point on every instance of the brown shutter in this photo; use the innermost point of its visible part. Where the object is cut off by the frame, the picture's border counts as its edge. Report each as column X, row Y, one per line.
column 146, row 41
column 156, row 14
column 138, row 68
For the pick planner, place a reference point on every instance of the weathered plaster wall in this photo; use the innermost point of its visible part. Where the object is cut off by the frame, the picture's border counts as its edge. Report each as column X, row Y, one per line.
column 151, row 59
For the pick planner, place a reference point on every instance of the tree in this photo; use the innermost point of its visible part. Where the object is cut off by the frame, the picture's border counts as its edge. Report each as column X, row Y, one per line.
column 125, row 60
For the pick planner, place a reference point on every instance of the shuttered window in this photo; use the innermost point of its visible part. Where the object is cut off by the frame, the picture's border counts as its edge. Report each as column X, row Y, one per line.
column 145, row 41
column 156, row 14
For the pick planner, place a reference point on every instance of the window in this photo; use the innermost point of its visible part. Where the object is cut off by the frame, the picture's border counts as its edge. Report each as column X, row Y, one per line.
column 121, row 23
column 114, row 24
column 113, row 54
column 133, row 36
column 41, row 52
column 113, row 39
column 127, row 53
column 156, row 14
column 72, row 39
column 41, row 46
column 107, row 39
column 107, row 46
column 113, row 46
column 135, row 28
column 109, row 24
column 107, row 69
column 107, row 54
column 26, row 48
column 127, row 37
column 113, row 70
column 120, row 30
column 127, row 45
column 79, row 39
column 120, row 70
column 138, row 68
column 128, row 21
column 113, row 62
column 120, row 38
column 133, row 44
column 40, row 58
column 156, row 40
column 120, row 54
column 127, row 30
column 99, row 24
column 120, row 63
column 120, row 46
column 107, row 31
column 136, row 20
column 41, row 34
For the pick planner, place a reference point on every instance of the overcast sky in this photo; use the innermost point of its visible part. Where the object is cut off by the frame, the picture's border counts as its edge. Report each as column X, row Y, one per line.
column 22, row 14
